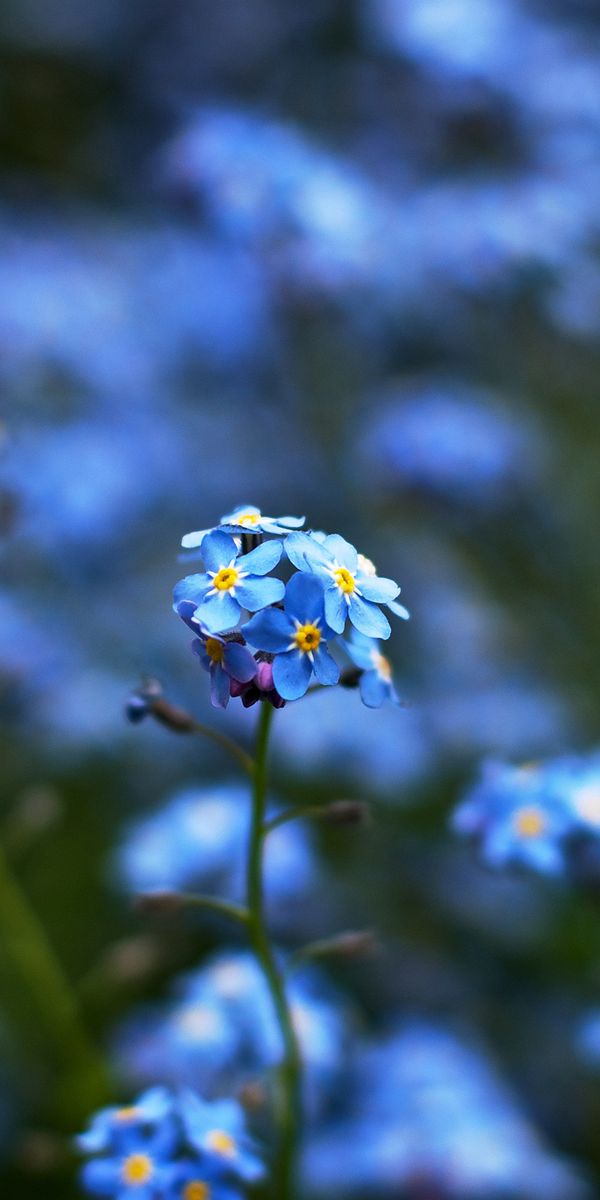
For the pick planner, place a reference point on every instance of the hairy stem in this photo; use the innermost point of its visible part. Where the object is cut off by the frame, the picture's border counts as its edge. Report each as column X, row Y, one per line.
column 290, row 1066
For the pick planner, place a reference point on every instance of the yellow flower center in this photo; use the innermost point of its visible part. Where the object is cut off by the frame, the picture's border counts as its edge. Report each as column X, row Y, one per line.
column 529, row 822
column 248, row 519
column 215, row 650
column 225, row 579
column 221, row 1143
column 345, row 580
column 127, row 1114
column 196, row 1189
column 137, row 1170
column 382, row 665
column 307, row 638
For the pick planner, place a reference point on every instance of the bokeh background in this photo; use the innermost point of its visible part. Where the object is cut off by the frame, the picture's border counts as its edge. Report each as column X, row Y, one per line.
column 339, row 258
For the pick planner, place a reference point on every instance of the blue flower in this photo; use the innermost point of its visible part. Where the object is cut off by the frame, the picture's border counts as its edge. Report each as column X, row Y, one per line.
column 133, row 1148
column 376, row 683
column 192, row 1179
column 224, row 660
column 245, row 519
column 217, row 1131
column 352, row 587
column 297, row 637
column 232, row 582
column 517, row 818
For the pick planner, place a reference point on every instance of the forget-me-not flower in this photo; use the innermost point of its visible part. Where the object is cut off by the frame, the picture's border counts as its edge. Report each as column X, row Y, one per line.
column 245, row 519
column 297, row 636
column 352, row 587
column 132, row 1148
column 217, row 1131
column 375, row 684
column 231, row 582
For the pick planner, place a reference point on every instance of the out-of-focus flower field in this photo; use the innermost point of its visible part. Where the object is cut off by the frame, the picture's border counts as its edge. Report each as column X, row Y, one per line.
column 339, row 258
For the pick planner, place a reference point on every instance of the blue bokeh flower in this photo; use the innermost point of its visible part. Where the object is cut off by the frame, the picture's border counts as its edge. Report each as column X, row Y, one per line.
column 352, row 587
column 132, row 1148
column 517, row 818
column 245, row 519
column 217, row 1130
column 297, row 636
column 375, row 684
column 231, row 582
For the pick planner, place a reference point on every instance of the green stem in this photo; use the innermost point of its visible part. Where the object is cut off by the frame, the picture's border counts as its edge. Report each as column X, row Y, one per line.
column 224, row 908
column 27, row 953
column 290, row 1066
column 226, row 743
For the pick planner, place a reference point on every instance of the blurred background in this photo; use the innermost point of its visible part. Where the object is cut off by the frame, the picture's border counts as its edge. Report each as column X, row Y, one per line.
column 339, row 259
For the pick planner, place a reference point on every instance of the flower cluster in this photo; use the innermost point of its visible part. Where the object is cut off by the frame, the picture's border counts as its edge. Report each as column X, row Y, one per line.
column 169, row 1146
column 275, row 653
column 542, row 816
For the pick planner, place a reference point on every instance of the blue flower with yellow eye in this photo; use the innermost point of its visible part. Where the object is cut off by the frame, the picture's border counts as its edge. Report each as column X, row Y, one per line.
column 245, row 519
column 132, row 1148
column 297, row 637
column 192, row 1179
column 224, row 660
column 375, row 684
column 217, row 1132
column 352, row 587
column 231, row 582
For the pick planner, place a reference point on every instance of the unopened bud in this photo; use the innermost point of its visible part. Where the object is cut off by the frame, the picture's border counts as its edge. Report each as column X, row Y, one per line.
column 159, row 902
column 346, row 812
column 360, row 943
column 131, row 959
column 176, row 719
column 252, row 1096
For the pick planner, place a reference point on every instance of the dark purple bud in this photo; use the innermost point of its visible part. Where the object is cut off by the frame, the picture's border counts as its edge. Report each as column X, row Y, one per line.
column 264, row 677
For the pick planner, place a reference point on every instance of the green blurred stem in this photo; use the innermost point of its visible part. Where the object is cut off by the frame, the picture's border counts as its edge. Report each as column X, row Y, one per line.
column 290, row 1066
column 27, row 953
column 227, row 744
column 223, row 908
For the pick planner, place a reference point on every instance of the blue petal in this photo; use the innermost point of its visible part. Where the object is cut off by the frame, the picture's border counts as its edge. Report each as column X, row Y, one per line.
column 239, row 662
column 217, row 550
column 306, row 554
column 262, row 559
column 219, row 613
column 360, row 649
column 186, row 609
column 101, row 1176
column 336, row 608
column 193, row 587
column 372, row 689
column 374, row 588
column 343, row 551
column 191, row 540
column 398, row 609
column 369, row 619
column 304, row 598
column 325, row 667
column 291, row 674
column 274, row 524
column 271, row 631
column 219, row 686
column 258, row 592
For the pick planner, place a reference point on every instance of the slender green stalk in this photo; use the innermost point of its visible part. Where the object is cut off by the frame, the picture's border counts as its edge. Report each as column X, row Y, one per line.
column 290, row 1066
column 227, row 744
column 223, row 908
column 27, row 953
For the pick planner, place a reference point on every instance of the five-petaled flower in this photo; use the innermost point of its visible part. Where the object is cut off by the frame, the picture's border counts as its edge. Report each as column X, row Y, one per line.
column 217, row 1132
column 376, row 683
column 133, row 1148
column 245, row 519
column 297, row 637
column 352, row 588
column 227, row 661
column 231, row 582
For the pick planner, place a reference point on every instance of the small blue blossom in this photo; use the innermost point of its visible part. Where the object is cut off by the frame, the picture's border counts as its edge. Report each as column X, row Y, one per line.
column 132, row 1148
column 217, row 1131
column 245, row 519
column 352, row 587
column 297, row 636
column 376, row 684
column 231, row 582
column 171, row 1145
column 224, row 660
column 517, row 819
